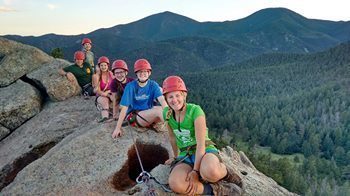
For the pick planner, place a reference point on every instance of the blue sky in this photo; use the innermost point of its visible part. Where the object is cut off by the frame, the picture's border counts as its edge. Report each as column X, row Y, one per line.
column 71, row 17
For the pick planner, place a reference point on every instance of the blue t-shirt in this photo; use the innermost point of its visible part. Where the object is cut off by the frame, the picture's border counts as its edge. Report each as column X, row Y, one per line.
column 140, row 98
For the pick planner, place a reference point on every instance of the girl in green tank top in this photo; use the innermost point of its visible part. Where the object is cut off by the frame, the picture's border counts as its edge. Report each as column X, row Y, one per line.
column 195, row 155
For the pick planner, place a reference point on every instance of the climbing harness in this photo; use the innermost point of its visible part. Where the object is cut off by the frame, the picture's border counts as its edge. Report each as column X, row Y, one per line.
column 131, row 119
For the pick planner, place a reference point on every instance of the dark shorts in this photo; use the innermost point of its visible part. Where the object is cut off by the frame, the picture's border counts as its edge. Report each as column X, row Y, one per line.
column 88, row 90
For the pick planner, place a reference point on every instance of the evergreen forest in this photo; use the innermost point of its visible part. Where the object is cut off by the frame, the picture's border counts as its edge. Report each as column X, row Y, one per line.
column 291, row 103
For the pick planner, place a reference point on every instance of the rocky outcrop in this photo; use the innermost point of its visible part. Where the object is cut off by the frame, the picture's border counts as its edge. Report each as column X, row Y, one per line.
column 84, row 159
column 18, row 103
column 17, row 59
column 20, row 100
column 57, row 87
column 64, row 151
column 46, row 129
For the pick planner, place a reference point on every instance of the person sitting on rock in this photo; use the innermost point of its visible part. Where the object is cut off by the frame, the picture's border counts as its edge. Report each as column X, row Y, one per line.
column 120, row 71
column 103, row 92
column 196, row 160
column 138, row 100
column 80, row 71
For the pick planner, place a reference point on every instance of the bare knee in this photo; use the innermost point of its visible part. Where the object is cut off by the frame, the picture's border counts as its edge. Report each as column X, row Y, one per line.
column 104, row 102
column 177, row 185
column 211, row 169
column 211, row 174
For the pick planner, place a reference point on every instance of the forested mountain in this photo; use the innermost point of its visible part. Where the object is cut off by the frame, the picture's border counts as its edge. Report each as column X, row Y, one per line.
column 207, row 44
column 293, row 103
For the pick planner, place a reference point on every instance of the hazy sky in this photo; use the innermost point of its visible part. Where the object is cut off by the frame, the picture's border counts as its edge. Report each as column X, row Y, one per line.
column 71, row 17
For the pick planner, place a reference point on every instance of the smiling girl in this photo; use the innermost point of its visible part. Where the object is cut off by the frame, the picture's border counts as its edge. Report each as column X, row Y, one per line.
column 138, row 100
column 195, row 155
column 102, row 89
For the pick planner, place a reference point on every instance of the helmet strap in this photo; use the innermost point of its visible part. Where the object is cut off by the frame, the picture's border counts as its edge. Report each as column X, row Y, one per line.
column 142, row 82
column 123, row 80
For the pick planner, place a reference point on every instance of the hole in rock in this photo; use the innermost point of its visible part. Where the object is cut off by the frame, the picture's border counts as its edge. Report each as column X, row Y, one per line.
column 151, row 156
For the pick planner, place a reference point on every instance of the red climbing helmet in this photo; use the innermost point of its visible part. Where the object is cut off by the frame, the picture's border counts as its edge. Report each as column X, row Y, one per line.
column 173, row 83
column 119, row 64
column 103, row 59
column 142, row 64
column 86, row 40
column 79, row 55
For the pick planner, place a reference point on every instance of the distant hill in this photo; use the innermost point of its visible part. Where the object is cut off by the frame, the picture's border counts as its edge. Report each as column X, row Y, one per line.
column 165, row 25
column 211, row 43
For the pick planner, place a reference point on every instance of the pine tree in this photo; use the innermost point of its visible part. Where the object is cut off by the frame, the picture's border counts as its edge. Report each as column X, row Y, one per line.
column 57, row 53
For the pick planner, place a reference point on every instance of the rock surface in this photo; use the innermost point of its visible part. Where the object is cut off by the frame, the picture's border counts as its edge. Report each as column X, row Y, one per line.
column 83, row 162
column 57, row 87
column 56, row 121
column 17, row 59
column 88, row 161
column 3, row 132
column 18, row 103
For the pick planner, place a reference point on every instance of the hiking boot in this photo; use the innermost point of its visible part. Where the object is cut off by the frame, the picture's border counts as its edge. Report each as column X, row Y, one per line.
column 158, row 127
column 232, row 177
column 86, row 96
column 222, row 188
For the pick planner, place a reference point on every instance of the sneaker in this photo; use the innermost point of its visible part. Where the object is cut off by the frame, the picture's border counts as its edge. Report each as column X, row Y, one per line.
column 86, row 95
column 158, row 127
column 222, row 188
column 102, row 120
column 232, row 177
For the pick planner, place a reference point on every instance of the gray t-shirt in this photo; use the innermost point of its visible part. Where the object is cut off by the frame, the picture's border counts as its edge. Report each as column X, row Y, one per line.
column 89, row 58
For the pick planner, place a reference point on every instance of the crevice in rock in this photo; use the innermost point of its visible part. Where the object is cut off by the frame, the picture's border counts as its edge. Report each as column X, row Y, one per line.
column 37, row 84
column 151, row 155
column 4, row 136
column 10, row 171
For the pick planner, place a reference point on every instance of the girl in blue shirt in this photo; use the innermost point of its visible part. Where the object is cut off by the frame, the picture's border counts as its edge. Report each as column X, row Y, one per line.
column 138, row 99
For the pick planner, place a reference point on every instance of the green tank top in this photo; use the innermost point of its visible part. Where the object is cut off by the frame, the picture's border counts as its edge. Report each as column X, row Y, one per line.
column 186, row 137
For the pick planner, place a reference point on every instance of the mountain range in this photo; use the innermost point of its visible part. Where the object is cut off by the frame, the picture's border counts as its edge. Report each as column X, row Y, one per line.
column 175, row 43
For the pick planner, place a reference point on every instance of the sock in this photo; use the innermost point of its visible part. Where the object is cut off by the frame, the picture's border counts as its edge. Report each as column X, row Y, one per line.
column 207, row 189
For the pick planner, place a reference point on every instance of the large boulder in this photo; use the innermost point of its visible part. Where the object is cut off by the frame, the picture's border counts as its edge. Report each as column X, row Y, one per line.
column 16, row 60
column 42, row 132
column 18, row 103
column 57, row 87
column 87, row 161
